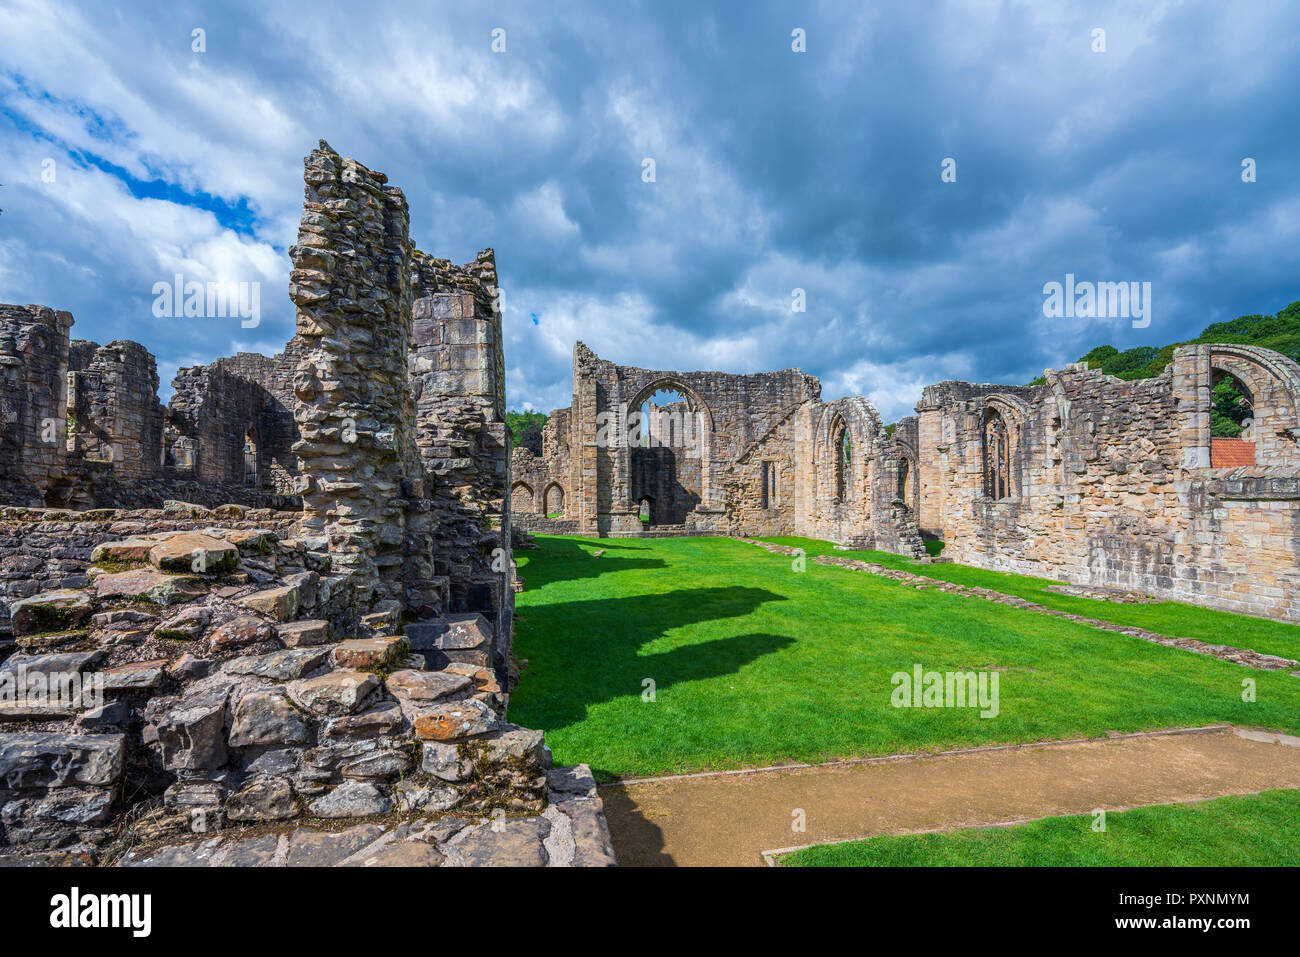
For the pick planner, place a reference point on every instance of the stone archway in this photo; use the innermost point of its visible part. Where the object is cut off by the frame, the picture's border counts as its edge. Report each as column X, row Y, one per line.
column 670, row 460
column 553, row 500
column 521, row 498
column 1269, row 383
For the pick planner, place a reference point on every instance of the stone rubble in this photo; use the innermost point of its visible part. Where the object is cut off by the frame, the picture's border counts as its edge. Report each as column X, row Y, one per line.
column 324, row 681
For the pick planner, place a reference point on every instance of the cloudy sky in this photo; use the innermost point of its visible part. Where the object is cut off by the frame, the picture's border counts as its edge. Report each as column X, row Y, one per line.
column 774, row 170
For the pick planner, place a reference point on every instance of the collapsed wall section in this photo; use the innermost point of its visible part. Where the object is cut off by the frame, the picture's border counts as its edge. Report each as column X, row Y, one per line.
column 232, row 422
column 34, row 345
column 457, row 370
column 361, row 477
column 113, row 411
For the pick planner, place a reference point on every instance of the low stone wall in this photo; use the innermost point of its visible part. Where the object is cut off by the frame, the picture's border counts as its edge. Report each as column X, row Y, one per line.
column 45, row 549
column 186, row 683
column 541, row 525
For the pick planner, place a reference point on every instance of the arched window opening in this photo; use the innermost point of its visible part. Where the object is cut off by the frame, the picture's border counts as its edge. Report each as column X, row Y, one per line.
column 554, row 502
column 661, row 420
column 521, row 499
column 250, row 458
column 645, row 510
column 997, row 457
column 1232, row 420
column 843, row 450
column 905, row 481
column 1231, row 409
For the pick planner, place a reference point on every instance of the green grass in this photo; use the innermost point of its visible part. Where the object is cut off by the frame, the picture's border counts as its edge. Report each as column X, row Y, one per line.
column 1248, row 830
column 1172, row 618
column 755, row 663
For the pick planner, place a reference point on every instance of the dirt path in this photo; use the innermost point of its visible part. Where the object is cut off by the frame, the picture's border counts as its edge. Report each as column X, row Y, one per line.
column 732, row 818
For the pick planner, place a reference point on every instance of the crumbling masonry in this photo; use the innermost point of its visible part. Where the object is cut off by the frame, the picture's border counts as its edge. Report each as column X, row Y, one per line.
column 1087, row 479
column 332, row 639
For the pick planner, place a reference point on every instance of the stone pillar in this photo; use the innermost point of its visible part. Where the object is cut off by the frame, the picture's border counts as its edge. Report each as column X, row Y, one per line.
column 930, row 452
column 360, row 473
column 586, row 455
column 1193, row 385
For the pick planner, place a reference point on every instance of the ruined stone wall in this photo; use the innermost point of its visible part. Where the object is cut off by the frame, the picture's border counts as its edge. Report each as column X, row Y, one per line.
column 541, row 485
column 772, row 460
column 176, row 695
column 856, row 492
column 361, row 478
column 219, row 410
column 1106, row 486
column 346, row 661
column 113, row 410
column 84, row 429
column 265, row 408
column 457, row 367
column 686, row 467
column 34, row 345
column 47, row 549
column 740, row 455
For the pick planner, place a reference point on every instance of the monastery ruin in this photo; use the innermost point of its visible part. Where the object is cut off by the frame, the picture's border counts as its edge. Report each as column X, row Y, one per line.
column 1088, row 479
column 288, row 594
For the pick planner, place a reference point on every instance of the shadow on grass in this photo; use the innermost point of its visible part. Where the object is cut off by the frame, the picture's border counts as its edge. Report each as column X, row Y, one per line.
column 567, row 560
column 582, row 653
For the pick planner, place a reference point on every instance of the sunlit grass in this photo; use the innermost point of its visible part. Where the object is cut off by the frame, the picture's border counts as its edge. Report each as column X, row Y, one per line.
column 754, row 663
column 1247, row 830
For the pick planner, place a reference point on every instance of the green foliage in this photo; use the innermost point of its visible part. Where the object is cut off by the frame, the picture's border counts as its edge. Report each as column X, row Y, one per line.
column 1281, row 333
column 526, row 429
column 1228, row 410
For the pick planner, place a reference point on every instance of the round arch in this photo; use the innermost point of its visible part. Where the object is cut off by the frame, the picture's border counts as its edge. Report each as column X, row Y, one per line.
column 699, row 409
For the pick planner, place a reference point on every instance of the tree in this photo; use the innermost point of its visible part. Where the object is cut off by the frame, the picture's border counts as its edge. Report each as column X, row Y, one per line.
column 526, row 430
column 1228, row 409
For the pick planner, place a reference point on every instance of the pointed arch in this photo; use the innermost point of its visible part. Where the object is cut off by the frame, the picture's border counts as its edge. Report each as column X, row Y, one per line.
column 521, row 498
column 553, row 500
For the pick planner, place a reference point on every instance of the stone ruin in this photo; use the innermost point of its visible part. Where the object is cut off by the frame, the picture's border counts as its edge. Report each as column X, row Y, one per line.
column 318, row 625
column 1087, row 479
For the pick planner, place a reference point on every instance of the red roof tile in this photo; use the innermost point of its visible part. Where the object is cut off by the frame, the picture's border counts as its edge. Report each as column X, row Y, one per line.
column 1230, row 453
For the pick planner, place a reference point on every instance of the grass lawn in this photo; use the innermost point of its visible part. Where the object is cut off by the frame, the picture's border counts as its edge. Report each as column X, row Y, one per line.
column 754, row 663
column 1250, row 830
column 1166, row 618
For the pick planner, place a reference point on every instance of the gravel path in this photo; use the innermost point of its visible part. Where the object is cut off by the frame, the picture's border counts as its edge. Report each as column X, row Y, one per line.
column 731, row 818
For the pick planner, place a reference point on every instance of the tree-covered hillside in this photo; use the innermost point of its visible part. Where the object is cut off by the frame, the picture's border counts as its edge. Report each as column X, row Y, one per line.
column 1281, row 333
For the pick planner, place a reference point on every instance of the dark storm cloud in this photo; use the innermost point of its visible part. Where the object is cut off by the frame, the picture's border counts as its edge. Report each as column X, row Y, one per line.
column 775, row 170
